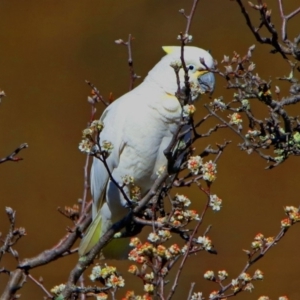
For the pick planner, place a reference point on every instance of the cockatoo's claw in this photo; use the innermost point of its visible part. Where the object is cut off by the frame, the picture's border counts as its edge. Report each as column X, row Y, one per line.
column 130, row 204
column 131, row 230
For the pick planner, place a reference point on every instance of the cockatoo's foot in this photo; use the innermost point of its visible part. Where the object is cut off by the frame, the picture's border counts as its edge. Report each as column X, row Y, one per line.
column 172, row 166
column 131, row 230
column 175, row 161
column 130, row 204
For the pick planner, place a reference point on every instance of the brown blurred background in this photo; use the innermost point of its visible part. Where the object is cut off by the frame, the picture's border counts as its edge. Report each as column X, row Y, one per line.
column 47, row 50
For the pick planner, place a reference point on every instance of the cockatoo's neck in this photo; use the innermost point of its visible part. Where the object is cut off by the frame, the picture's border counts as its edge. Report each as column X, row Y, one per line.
column 164, row 77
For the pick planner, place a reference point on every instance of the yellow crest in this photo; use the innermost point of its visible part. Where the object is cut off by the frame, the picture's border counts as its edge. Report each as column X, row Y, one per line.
column 169, row 49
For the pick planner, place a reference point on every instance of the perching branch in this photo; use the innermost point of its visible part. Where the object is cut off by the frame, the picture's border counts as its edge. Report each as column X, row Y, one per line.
column 82, row 264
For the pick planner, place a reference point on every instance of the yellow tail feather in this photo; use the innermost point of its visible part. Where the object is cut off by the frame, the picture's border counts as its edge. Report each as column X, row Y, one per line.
column 91, row 237
column 116, row 249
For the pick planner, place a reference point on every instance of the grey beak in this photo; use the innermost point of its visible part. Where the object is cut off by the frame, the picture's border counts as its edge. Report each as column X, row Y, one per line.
column 207, row 82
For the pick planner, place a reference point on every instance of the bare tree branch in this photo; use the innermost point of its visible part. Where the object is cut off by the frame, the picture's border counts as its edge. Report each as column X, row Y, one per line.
column 12, row 156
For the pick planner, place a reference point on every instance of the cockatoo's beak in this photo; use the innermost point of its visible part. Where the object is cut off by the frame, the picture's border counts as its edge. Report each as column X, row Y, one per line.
column 206, row 81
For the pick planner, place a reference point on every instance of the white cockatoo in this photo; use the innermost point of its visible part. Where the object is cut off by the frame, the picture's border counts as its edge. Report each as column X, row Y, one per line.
column 140, row 126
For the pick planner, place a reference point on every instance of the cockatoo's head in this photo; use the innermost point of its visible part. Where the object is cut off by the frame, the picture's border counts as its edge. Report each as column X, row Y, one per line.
column 201, row 80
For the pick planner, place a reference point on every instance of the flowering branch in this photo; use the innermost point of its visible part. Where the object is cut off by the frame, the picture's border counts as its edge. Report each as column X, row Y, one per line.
column 262, row 134
column 189, row 246
column 82, row 264
column 260, row 246
column 184, row 39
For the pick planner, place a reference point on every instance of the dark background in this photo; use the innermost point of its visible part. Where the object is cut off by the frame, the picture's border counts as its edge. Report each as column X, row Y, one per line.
column 47, row 50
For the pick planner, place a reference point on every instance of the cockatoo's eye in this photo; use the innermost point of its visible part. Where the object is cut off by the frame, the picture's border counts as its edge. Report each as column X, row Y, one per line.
column 192, row 68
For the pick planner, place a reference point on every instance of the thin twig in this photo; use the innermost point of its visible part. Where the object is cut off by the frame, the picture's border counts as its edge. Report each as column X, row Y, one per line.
column 97, row 93
column 191, row 291
column 132, row 75
column 12, row 156
column 285, row 18
column 38, row 283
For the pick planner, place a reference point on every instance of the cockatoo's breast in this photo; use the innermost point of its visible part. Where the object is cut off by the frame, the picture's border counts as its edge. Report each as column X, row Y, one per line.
column 147, row 130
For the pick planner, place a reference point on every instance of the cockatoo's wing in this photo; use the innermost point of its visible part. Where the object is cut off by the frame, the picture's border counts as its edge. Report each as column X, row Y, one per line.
column 99, row 181
column 99, row 173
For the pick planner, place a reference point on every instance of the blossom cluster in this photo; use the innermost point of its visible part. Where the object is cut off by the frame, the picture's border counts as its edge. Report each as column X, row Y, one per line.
column 101, row 296
column 144, row 252
column 134, row 190
column 89, row 142
column 218, row 104
column 130, row 295
column 108, row 275
column 251, row 134
column 209, row 169
column 293, row 216
column 205, row 243
column 181, row 215
column 197, row 296
column 268, row 298
column 260, row 242
column 235, row 119
column 57, row 290
column 188, row 110
column 242, row 283
column 88, row 133
column 215, row 202
column 195, row 90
